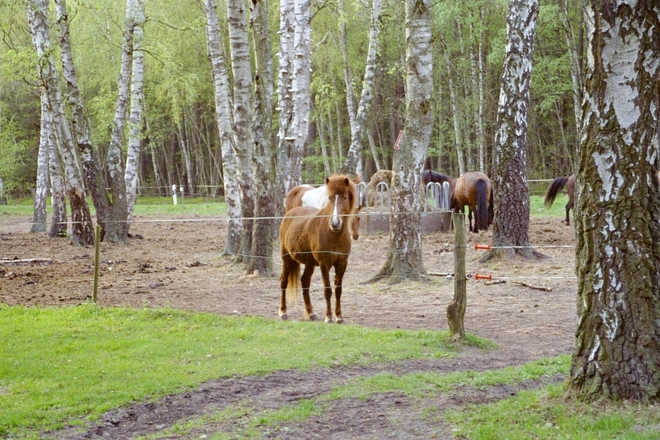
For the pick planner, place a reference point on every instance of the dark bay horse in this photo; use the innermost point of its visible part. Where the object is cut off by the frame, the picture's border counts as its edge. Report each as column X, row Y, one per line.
column 553, row 191
column 473, row 190
column 317, row 237
column 307, row 195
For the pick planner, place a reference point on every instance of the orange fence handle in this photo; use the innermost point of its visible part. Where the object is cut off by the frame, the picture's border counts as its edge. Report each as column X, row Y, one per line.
column 485, row 247
column 483, row 277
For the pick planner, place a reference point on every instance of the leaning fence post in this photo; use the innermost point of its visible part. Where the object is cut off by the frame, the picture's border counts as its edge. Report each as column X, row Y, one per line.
column 456, row 310
column 97, row 246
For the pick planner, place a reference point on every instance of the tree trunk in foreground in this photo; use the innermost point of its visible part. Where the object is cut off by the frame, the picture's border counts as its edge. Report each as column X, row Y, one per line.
column 41, row 193
column 617, row 215
column 404, row 256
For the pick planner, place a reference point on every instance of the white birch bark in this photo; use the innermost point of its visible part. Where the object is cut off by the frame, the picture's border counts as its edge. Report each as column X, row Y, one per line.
column 135, row 118
column 288, row 155
column 40, row 196
column 58, row 191
column 224, row 119
column 617, row 216
column 359, row 120
column 82, row 229
column 302, row 65
column 243, row 101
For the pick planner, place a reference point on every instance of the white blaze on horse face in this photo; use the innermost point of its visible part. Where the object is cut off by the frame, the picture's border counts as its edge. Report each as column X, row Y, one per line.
column 335, row 221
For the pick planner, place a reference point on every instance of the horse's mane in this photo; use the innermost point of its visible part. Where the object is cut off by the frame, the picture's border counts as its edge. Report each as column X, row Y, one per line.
column 432, row 176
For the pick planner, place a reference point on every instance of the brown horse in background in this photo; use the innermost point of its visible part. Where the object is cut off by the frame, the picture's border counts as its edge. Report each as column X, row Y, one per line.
column 317, row 237
column 473, row 190
column 555, row 187
column 378, row 177
column 295, row 197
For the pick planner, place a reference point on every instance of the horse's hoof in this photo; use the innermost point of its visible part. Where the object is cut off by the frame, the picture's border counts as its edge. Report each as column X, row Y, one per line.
column 339, row 320
column 284, row 317
column 329, row 320
column 313, row 317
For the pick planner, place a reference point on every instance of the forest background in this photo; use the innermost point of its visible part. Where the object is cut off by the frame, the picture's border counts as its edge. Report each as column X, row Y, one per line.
column 180, row 134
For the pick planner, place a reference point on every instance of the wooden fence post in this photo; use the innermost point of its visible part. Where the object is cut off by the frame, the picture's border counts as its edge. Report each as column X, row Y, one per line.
column 456, row 310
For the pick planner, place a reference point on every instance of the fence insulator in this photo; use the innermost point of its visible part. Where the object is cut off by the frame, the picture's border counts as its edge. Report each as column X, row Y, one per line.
column 485, row 247
column 478, row 276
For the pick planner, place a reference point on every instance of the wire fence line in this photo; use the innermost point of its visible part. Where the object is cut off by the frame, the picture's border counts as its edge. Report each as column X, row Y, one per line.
column 224, row 218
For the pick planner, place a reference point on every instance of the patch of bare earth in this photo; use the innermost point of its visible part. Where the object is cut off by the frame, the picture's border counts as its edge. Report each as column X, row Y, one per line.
column 178, row 263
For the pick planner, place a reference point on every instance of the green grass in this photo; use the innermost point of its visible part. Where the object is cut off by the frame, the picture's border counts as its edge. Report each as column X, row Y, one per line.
column 210, row 207
column 144, row 206
column 60, row 364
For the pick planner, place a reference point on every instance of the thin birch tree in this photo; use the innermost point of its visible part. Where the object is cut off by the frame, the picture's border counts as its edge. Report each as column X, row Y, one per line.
column 82, row 230
column 224, row 120
column 264, row 154
column 358, row 119
column 94, row 177
column 135, row 117
column 510, row 190
column 39, row 218
column 239, row 49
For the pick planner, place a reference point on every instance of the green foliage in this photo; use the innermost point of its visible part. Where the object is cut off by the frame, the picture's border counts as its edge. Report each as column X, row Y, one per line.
column 62, row 363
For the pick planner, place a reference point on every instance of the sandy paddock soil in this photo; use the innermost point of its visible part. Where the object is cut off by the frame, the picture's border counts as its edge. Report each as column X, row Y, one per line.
column 177, row 262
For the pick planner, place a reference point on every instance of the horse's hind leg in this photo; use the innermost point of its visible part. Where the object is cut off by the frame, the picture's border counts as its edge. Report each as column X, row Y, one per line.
column 569, row 206
column 284, row 282
column 306, row 281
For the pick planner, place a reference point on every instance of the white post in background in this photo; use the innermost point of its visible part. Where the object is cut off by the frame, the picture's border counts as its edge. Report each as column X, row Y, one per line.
column 174, row 194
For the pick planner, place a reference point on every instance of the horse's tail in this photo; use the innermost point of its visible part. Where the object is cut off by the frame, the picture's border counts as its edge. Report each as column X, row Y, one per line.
column 553, row 190
column 491, row 209
column 293, row 284
column 482, row 205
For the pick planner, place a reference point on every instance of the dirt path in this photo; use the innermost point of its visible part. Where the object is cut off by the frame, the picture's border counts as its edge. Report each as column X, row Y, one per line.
column 177, row 263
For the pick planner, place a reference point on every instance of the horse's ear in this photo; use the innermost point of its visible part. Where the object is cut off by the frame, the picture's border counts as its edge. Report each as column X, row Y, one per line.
column 347, row 181
column 358, row 179
column 327, row 180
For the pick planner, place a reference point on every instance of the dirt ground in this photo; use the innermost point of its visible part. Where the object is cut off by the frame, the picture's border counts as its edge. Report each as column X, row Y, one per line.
column 177, row 262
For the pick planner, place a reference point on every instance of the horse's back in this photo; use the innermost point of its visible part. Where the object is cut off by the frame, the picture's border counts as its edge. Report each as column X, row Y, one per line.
column 316, row 198
column 293, row 198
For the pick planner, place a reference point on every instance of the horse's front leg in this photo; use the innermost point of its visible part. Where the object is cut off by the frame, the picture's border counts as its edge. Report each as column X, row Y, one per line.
column 340, row 269
column 306, row 281
column 327, row 292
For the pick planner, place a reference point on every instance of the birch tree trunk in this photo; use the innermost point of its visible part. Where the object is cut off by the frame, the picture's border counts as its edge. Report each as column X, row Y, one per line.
column 82, row 230
column 302, row 65
column 243, row 105
column 574, row 57
column 617, row 216
column 509, row 177
column 39, row 219
column 135, row 118
column 456, row 112
column 287, row 153
column 224, row 120
column 264, row 154
column 404, row 256
column 94, row 178
column 358, row 122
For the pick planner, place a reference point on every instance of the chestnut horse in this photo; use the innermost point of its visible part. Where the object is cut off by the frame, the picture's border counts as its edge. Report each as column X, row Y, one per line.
column 557, row 185
column 307, row 195
column 317, row 237
column 473, row 190
column 553, row 191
